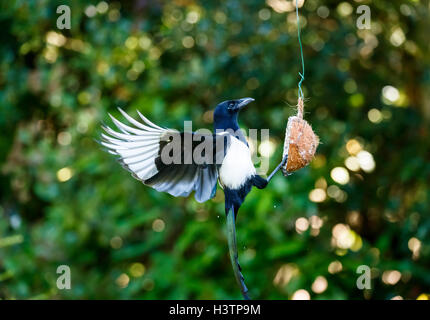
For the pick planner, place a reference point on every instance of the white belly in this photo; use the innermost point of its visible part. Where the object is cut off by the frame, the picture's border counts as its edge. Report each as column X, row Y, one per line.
column 237, row 165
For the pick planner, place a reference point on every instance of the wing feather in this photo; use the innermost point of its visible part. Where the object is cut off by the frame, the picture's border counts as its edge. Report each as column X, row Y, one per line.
column 139, row 147
column 137, row 123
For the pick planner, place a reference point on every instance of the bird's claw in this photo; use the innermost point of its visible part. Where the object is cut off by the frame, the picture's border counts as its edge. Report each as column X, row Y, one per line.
column 284, row 160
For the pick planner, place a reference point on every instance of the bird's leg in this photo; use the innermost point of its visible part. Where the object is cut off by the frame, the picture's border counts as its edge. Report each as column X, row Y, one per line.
column 232, row 246
column 262, row 183
column 283, row 162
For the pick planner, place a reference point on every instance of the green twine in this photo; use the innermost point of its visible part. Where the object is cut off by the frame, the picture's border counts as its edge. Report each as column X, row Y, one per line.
column 302, row 74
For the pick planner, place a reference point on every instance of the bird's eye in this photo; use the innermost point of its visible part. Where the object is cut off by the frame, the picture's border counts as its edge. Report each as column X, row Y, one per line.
column 231, row 105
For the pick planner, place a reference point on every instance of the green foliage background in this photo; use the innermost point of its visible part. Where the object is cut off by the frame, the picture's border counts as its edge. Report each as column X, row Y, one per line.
column 174, row 61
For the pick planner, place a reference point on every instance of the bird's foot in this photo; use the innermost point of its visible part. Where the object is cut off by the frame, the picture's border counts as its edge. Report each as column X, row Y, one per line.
column 281, row 165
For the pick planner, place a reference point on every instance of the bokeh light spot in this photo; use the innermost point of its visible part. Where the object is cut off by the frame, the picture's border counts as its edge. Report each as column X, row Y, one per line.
column 301, row 294
column 158, row 225
column 374, row 115
column 64, row 174
column 123, row 280
column 302, row 224
column 352, row 163
column 391, row 277
column 137, row 269
column 340, row 175
column 366, row 161
column 353, row 146
column 317, row 195
column 335, row 267
column 390, row 93
column 116, row 242
column 319, row 285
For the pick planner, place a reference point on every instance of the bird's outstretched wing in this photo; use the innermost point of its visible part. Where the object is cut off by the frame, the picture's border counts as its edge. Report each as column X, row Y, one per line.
column 166, row 159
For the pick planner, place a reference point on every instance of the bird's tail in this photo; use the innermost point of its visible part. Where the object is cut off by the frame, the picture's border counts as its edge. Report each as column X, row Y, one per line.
column 232, row 245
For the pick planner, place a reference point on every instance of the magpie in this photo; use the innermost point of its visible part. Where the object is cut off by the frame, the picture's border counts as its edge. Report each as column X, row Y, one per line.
column 182, row 162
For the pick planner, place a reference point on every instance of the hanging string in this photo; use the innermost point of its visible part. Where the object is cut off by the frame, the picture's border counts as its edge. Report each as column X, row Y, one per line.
column 302, row 74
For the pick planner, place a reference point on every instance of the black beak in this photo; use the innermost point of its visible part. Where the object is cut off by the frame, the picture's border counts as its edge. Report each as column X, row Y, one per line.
column 243, row 102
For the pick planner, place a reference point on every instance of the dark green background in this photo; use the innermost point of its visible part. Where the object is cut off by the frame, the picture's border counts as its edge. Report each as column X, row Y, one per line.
column 56, row 90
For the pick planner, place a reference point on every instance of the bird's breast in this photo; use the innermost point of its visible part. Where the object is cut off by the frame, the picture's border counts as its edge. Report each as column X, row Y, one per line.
column 237, row 166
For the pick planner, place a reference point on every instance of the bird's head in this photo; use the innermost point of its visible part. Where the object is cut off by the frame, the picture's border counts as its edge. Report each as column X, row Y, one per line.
column 225, row 114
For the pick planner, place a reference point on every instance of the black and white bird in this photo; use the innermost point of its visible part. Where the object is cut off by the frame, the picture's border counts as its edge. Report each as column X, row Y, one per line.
column 182, row 162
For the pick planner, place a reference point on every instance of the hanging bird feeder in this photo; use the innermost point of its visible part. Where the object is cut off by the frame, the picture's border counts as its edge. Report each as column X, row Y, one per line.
column 300, row 142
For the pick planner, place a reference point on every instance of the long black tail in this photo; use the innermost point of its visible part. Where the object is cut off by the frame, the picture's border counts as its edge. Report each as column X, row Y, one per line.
column 232, row 246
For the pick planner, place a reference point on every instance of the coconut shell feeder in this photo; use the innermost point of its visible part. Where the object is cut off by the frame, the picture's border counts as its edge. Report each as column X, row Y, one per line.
column 300, row 142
